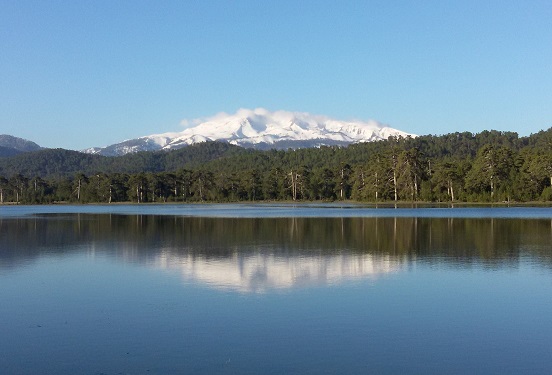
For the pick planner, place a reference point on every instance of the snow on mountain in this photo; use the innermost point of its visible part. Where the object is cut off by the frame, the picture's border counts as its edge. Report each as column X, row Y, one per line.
column 262, row 129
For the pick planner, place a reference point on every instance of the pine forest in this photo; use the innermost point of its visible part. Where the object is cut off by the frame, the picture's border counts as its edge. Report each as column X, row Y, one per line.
column 490, row 166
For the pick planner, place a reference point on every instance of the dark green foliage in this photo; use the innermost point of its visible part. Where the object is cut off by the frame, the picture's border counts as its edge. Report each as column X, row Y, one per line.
column 65, row 163
column 490, row 166
column 8, row 151
column 50, row 163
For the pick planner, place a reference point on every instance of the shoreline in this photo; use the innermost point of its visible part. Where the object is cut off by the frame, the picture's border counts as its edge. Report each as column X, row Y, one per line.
column 385, row 204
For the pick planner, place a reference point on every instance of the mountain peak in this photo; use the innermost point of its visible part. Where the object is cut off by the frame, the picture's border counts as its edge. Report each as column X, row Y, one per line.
column 261, row 129
column 19, row 144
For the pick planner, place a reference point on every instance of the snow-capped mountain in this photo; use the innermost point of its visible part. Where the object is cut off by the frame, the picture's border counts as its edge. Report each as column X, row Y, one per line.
column 261, row 129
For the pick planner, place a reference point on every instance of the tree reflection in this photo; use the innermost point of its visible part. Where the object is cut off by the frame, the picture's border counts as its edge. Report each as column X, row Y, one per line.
column 144, row 237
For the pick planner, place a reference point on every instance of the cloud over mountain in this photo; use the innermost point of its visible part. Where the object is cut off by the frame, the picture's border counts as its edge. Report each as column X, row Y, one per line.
column 261, row 129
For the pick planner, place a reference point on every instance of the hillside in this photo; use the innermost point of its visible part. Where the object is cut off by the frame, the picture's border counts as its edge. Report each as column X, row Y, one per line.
column 461, row 167
column 19, row 144
column 57, row 163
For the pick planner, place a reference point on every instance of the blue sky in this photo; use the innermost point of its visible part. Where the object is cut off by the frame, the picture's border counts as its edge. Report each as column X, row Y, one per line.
column 76, row 74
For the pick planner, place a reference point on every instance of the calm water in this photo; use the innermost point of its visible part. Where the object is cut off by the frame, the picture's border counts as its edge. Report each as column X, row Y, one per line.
column 275, row 289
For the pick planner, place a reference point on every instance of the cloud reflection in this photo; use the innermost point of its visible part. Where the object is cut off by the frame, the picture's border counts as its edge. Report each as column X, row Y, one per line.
column 257, row 273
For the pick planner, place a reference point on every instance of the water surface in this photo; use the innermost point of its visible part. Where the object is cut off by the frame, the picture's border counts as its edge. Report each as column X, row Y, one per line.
column 98, row 289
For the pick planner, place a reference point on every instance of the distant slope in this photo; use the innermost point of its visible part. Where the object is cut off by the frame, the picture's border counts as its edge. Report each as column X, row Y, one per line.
column 222, row 156
column 60, row 162
column 19, row 144
column 49, row 162
column 11, row 146
column 260, row 129
column 8, row 151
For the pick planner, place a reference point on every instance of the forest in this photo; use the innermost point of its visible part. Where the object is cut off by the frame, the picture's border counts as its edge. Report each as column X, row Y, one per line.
column 490, row 166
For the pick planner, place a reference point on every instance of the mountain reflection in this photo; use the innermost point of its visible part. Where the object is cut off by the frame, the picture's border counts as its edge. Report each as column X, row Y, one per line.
column 255, row 254
column 261, row 272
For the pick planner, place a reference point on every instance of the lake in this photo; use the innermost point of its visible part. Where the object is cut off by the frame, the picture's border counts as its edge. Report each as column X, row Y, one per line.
column 275, row 289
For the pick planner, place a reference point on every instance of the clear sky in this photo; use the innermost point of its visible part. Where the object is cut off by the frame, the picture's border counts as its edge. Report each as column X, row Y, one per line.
column 76, row 74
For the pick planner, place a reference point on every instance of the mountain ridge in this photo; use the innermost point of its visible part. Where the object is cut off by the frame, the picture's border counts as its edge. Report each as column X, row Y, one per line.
column 11, row 146
column 260, row 129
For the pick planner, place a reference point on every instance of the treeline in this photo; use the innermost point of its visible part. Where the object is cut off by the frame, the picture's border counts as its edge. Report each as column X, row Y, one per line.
column 56, row 163
column 490, row 166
